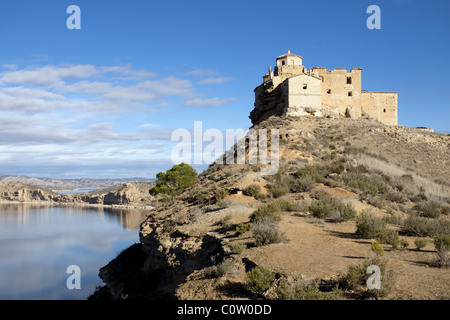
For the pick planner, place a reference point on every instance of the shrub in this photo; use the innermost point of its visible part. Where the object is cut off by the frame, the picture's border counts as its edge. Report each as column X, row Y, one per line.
column 238, row 248
column 377, row 248
column 322, row 208
column 428, row 209
column 243, row 228
column 287, row 290
column 259, row 279
column 278, row 190
column 304, row 184
column 442, row 242
column 268, row 210
column 265, row 231
column 443, row 258
column 368, row 226
column 404, row 243
column 420, row 243
column 357, row 276
column 254, row 191
column 335, row 209
column 226, row 267
column 418, row 226
column 220, row 194
column 287, row 205
column 226, row 221
column 174, row 180
column 343, row 212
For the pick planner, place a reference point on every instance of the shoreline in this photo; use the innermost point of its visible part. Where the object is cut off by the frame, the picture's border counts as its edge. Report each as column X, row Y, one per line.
column 76, row 204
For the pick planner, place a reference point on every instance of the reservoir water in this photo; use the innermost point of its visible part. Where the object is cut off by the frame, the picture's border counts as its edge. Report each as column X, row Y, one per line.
column 38, row 243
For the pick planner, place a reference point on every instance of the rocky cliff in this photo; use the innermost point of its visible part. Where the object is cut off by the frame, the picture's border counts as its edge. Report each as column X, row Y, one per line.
column 197, row 247
column 135, row 193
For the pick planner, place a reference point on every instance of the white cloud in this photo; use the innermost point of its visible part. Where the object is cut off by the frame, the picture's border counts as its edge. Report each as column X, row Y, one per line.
column 208, row 102
column 215, row 80
column 199, row 72
column 69, row 119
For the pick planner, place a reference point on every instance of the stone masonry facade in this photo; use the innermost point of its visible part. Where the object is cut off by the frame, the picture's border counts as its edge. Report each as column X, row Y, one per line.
column 292, row 90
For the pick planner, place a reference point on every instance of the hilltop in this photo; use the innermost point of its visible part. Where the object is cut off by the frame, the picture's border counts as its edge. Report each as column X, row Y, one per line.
column 344, row 187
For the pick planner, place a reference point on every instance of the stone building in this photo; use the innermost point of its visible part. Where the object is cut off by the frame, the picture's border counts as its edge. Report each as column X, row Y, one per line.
column 292, row 90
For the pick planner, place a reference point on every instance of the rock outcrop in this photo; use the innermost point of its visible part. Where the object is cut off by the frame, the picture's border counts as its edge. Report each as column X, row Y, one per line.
column 135, row 193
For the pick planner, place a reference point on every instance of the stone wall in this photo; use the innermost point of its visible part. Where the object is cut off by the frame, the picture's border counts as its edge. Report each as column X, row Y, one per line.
column 381, row 106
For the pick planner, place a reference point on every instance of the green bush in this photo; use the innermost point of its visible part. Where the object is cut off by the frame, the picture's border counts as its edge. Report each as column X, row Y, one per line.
column 428, row 209
column 278, row 190
column 174, row 180
column 259, row 279
column 420, row 243
column 357, row 276
column 220, row 194
column 327, row 207
column 418, row 226
column 265, row 231
column 442, row 242
column 243, row 228
column 254, row 191
column 304, row 184
column 267, row 210
column 287, row 290
column 377, row 248
column 238, row 248
column 369, row 226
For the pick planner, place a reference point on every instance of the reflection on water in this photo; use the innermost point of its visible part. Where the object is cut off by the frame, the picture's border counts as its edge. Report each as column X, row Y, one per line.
column 38, row 243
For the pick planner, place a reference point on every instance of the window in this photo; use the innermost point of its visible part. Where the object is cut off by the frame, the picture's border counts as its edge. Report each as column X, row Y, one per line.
column 305, row 86
column 350, row 94
column 329, row 91
column 349, row 80
column 283, row 63
column 384, row 110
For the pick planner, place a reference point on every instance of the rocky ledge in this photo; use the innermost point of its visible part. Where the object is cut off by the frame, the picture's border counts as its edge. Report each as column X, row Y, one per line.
column 129, row 194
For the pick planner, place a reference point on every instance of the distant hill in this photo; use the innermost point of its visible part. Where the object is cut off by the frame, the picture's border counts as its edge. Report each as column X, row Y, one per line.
column 70, row 184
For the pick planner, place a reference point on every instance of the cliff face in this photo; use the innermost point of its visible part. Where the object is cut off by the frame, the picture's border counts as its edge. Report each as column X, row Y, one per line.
column 190, row 248
column 127, row 194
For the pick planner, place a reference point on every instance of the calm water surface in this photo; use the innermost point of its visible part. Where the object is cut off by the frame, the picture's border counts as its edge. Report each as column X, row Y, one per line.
column 38, row 243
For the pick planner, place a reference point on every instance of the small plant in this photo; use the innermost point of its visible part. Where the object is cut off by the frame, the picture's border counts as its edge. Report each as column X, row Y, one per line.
column 428, row 209
column 265, row 231
column 420, row 243
column 404, row 243
column 304, row 184
column 368, row 226
column 226, row 267
column 226, row 222
column 220, row 194
column 270, row 210
column 259, row 279
column 254, row 191
column 278, row 190
column 238, row 248
column 443, row 258
column 287, row 290
column 357, row 276
column 243, row 228
column 442, row 242
column 377, row 248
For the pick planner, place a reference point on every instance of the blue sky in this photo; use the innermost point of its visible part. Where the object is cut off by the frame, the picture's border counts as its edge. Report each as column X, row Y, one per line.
column 102, row 101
